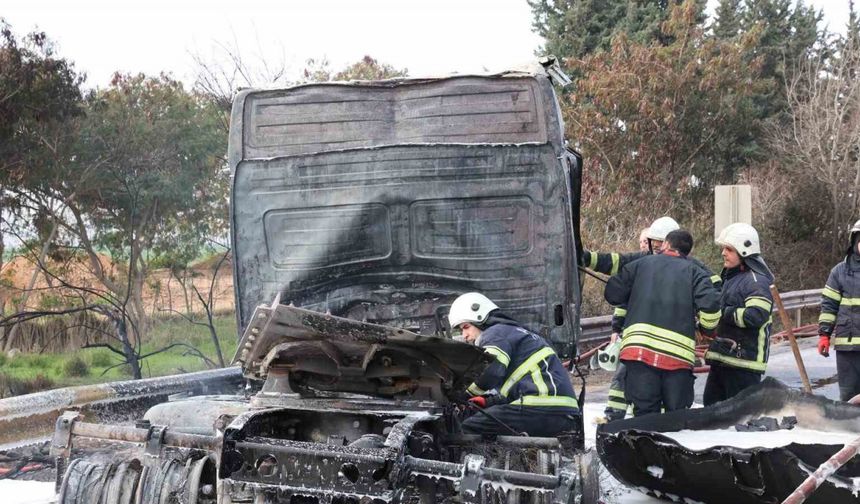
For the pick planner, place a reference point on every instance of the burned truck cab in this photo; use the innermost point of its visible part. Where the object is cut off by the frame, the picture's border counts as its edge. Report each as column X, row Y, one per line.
column 359, row 212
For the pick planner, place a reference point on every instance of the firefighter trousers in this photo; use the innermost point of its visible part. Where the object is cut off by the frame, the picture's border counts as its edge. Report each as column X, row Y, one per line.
column 648, row 388
column 725, row 382
column 848, row 372
column 536, row 421
column 616, row 404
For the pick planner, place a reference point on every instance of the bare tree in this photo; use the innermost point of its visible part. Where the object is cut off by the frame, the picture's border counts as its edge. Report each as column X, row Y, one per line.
column 206, row 300
column 821, row 143
column 228, row 71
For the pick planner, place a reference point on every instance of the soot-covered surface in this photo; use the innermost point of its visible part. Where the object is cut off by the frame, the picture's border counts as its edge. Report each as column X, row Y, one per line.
column 633, row 449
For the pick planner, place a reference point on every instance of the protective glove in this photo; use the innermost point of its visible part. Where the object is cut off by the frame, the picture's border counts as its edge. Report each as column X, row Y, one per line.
column 824, row 344
column 479, row 401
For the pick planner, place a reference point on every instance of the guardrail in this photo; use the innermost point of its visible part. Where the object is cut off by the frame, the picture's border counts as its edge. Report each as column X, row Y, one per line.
column 597, row 329
column 32, row 416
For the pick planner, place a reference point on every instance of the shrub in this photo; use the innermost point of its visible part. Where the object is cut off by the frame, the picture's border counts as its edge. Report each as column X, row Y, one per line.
column 76, row 367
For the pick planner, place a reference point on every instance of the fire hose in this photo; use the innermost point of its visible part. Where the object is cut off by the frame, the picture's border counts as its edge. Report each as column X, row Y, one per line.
column 815, row 479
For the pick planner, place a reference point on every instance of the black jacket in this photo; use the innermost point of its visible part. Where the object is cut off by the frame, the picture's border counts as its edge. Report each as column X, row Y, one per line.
column 610, row 263
column 526, row 371
column 840, row 305
column 664, row 294
column 745, row 321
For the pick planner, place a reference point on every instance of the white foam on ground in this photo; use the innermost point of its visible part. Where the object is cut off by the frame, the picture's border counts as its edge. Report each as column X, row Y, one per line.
column 27, row 492
column 704, row 439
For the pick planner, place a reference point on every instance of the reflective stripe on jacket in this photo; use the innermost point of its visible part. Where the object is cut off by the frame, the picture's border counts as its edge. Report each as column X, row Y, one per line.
column 745, row 322
column 840, row 305
column 527, row 371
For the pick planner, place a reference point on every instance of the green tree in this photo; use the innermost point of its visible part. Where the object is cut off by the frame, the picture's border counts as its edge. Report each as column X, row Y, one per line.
column 656, row 123
column 38, row 93
column 727, row 20
column 367, row 68
column 153, row 155
column 788, row 36
column 574, row 28
column 36, row 88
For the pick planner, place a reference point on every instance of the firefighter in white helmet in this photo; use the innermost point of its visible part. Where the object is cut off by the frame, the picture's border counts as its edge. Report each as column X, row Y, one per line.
column 616, row 402
column 526, row 386
column 738, row 356
column 650, row 242
column 839, row 322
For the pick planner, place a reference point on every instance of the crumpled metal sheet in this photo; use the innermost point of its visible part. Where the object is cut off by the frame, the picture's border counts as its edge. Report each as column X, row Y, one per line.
column 722, row 474
column 344, row 355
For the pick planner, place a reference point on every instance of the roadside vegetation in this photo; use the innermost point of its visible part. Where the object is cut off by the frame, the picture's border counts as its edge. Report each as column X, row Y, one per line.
column 27, row 372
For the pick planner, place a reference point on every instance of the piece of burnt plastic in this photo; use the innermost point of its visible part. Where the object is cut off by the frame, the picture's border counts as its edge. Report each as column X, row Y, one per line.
column 723, row 474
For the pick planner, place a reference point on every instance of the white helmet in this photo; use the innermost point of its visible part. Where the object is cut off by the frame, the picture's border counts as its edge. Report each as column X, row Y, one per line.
column 472, row 307
column 607, row 358
column 741, row 237
column 661, row 227
column 854, row 230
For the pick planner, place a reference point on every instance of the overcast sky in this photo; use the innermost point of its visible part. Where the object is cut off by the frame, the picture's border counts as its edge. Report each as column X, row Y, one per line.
column 429, row 37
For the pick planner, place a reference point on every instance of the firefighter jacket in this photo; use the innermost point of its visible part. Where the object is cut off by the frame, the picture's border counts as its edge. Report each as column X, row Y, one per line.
column 840, row 305
column 744, row 328
column 526, row 370
column 610, row 263
column 664, row 294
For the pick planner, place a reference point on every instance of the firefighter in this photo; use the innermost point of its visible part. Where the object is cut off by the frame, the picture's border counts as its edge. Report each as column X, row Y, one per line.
column 738, row 355
column 840, row 318
column 650, row 239
column 533, row 392
column 665, row 293
column 616, row 403
column 650, row 242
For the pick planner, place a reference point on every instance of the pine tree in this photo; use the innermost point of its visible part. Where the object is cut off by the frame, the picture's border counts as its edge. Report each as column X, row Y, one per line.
column 727, row 23
column 787, row 36
column 574, row 28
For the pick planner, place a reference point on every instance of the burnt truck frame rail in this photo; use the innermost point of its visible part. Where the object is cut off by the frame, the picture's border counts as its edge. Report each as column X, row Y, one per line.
column 31, row 417
column 265, row 468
